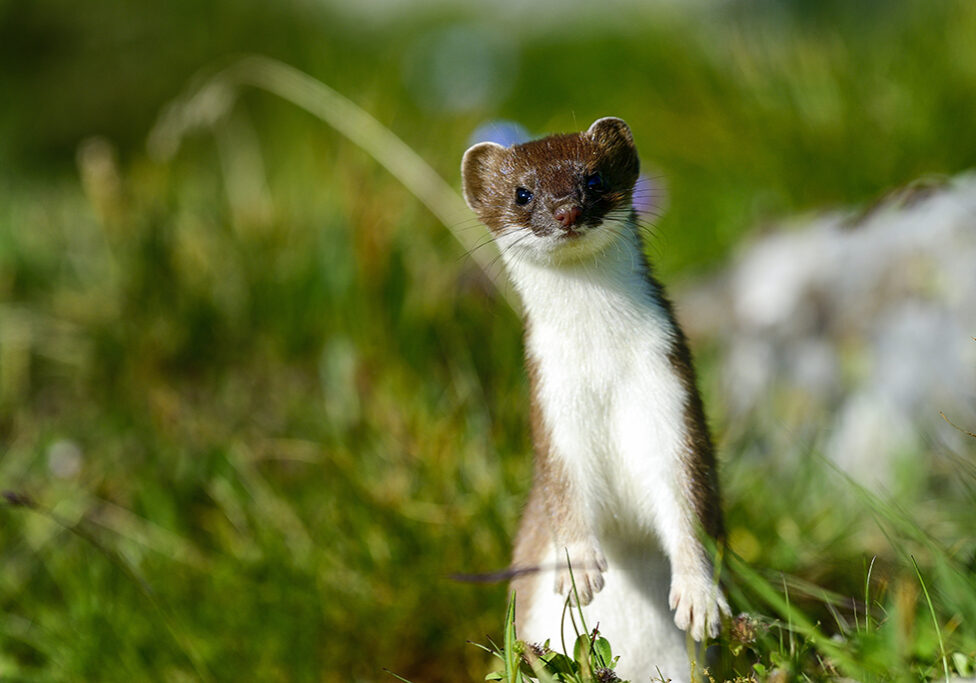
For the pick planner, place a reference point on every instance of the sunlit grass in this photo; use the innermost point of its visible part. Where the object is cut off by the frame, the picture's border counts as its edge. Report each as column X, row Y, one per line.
column 285, row 449
column 263, row 405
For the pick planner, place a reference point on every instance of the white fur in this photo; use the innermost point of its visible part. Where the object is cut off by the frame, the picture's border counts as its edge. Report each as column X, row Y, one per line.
column 614, row 409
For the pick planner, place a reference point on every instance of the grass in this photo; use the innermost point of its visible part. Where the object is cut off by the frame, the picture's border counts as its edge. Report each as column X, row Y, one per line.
column 775, row 639
column 260, row 404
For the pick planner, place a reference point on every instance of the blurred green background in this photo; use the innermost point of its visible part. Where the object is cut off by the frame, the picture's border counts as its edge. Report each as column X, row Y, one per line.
column 268, row 403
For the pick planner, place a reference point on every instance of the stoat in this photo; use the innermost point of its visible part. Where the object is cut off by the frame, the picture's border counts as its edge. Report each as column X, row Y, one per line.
column 625, row 479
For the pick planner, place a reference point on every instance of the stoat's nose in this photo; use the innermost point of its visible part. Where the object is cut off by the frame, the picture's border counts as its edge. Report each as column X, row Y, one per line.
column 567, row 215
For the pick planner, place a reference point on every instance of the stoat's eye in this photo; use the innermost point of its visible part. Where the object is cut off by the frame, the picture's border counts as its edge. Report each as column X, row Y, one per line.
column 522, row 196
column 594, row 182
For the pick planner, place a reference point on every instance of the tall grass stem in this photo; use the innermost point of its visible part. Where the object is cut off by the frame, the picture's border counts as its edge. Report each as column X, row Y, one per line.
column 217, row 94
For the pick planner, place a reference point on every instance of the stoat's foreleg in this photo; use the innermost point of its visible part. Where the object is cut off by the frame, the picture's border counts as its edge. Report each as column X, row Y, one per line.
column 656, row 449
column 695, row 597
column 579, row 556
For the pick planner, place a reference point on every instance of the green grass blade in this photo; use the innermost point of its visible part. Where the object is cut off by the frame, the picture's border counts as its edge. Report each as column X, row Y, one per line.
column 935, row 620
column 867, row 596
column 397, row 676
column 512, row 670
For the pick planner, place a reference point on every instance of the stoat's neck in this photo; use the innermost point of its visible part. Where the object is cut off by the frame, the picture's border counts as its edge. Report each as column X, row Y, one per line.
column 608, row 288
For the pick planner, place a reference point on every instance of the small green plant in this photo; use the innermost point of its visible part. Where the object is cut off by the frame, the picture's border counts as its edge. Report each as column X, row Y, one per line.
column 592, row 660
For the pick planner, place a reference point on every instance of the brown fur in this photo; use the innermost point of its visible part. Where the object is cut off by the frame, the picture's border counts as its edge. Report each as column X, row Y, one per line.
column 552, row 168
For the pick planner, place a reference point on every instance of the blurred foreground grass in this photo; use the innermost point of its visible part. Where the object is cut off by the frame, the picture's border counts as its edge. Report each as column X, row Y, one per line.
column 271, row 407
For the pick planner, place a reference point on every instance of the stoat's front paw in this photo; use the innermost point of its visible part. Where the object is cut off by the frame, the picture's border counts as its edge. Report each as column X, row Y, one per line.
column 587, row 563
column 698, row 605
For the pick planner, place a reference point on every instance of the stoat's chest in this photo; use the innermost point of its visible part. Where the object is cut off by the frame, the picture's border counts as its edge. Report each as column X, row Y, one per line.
column 608, row 392
column 595, row 371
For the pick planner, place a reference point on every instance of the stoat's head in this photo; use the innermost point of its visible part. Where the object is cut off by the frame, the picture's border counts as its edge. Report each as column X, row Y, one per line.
column 560, row 198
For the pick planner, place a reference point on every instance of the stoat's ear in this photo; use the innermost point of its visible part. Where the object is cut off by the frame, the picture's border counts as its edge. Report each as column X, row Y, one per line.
column 478, row 167
column 611, row 132
column 614, row 138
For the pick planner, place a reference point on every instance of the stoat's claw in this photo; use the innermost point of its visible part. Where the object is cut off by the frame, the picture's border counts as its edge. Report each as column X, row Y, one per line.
column 586, row 566
column 698, row 605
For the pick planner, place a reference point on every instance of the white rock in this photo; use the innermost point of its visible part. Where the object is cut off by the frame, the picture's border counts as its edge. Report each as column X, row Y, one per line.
column 870, row 322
